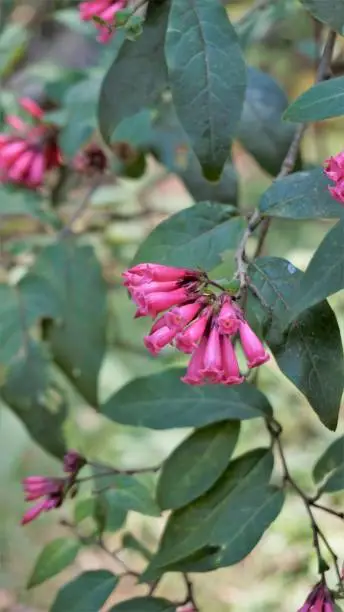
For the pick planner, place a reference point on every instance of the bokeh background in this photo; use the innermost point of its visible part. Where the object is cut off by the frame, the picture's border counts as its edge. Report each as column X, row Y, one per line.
column 285, row 42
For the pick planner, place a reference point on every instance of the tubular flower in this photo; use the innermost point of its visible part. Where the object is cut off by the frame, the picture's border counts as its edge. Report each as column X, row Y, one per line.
column 105, row 10
column 319, row 600
column 334, row 169
column 197, row 322
column 30, row 150
column 51, row 490
column 73, row 462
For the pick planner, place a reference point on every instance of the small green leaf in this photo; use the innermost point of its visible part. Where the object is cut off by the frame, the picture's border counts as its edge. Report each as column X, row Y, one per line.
column 161, row 401
column 144, row 604
column 195, row 237
column 196, row 464
column 54, row 558
column 129, row 493
column 309, row 352
column 89, row 591
column 301, row 195
column 131, row 543
column 84, row 509
column 330, row 12
column 138, row 72
column 322, row 101
column 233, row 515
column 325, row 273
column 261, row 130
column 330, row 467
column 208, row 78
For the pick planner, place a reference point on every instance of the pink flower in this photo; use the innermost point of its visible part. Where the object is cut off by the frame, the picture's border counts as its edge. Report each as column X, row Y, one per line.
column 35, row 487
column 334, row 169
column 231, row 371
column 188, row 339
column 212, row 361
column 73, row 462
column 157, row 272
column 158, row 339
column 154, row 303
column 187, row 608
column 180, row 316
column 106, row 11
column 252, row 346
column 31, row 151
column 229, row 317
column 194, row 375
column 319, row 600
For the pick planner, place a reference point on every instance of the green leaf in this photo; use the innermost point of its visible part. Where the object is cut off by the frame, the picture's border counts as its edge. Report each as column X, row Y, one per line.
column 54, row 558
column 301, row 195
column 261, row 130
column 330, row 467
column 233, row 515
column 32, row 392
column 71, row 274
column 322, row 101
column 195, row 237
column 84, row 509
column 309, row 352
column 330, row 12
column 144, row 604
column 162, row 401
column 14, row 202
column 207, row 76
column 129, row 493
column 80, row 104
column 138, row 72
column 331, row 459
column 325, row 273
column 196, row 464
column 89, row 591
column 130, row 542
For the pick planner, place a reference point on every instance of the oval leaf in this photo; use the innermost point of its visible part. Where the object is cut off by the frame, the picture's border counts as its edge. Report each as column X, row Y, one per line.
column 145, row 604
column 331, row 459
column 86, row 592
column 138, row 72
column 162, row 401
column 195, row 237
column 196, row 464
column 301, row 195
column 261, row 130
column 330, row 12
column 55, row 557
column 207, row 77
column 322, row 101
column 325, row 273
column 231, row 513
column 310, row 351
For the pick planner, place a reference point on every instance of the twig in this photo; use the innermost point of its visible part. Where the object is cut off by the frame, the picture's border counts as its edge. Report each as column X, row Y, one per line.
column 190, row 594
column 275, row 430
column 80, row 210
column 336, row 513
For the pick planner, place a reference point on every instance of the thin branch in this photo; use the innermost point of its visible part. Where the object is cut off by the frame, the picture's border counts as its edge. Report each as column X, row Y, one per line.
column 336, row 513
column 80, row 210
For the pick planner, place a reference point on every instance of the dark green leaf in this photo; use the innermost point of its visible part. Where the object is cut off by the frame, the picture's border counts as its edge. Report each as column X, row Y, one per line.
column 15, row 202
column 196, row 464
column 207, row 76
column 325, row 273
column 195, row 237
column 89, row 591
column 234, row 514
column 302, row 195
column 144, row 604
column 162, row 401
column 54, row 558
column 261, row 130
column 332, row 459
column 138, row 72
column 131, row 543
column 84, row 509
column 309, row 352
column 330, row 12
column 72, row 274
column 334, row 482
column 322, row 101
column 37, row 399
column 129, row 493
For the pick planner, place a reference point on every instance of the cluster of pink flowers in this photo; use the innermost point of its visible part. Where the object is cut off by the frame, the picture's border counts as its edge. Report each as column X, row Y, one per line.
column 197, row 322
column 334, row 169
column 51, row 492
column 105, row 10
column 319, row 600
column 28, row 152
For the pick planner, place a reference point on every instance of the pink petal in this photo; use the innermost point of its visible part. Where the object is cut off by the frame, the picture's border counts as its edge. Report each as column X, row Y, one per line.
column 187, row 340
column 19, row 169
column 194, row 375
column 212, row 362
column 230, row 364
column 228, row 320
column 31, row 107
column 154, row 303
column 179, row 316
column 36, row 172
column 156, row 341
column 33, row 512
column 253, row 348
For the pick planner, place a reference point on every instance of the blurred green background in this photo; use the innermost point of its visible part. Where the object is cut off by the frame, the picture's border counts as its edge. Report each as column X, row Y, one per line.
column 284, row 41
